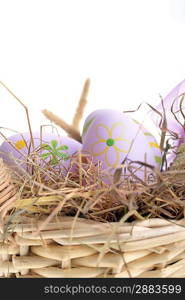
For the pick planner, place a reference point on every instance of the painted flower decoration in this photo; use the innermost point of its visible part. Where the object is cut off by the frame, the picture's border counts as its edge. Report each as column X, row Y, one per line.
column 20, row 144
column 55, row 152
column 109, row 143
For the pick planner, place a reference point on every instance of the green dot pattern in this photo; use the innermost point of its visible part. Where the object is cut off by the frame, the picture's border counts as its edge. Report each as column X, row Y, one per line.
column 110, row 142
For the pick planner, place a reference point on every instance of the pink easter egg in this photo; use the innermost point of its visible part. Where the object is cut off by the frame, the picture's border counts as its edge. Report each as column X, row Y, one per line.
column 49, row 148
column 110, row 137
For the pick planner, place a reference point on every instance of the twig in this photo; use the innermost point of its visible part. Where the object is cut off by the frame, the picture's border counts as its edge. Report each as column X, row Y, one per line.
column 81, row 105
column 58, row 121
column 26, row 109
column 72, row 130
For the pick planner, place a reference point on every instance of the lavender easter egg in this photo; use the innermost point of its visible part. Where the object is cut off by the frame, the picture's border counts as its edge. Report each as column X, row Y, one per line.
column 173, row 105
column 49, row 148
column 111, row 137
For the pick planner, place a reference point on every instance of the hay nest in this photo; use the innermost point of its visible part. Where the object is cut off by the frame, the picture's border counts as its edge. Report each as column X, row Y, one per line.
column 78, row 226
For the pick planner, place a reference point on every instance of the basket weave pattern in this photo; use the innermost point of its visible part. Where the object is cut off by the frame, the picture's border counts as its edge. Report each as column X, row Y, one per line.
column 77, row 247
column 83, row 248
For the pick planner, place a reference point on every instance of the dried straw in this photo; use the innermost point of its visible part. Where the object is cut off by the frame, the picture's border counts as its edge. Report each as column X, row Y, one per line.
column 72, row 130
column 61, row 123
column 78, row 226
column 81, row 105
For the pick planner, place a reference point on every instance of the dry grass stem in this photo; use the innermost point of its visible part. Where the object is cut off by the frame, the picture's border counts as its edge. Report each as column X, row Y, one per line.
column 61, row 123
column 81, row 105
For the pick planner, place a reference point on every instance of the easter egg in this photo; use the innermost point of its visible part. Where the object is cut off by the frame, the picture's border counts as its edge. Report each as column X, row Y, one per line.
column 49, row 148
column 173, row 105
column 110, row 137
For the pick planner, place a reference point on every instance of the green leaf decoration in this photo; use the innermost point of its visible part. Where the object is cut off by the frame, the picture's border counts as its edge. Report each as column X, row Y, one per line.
column 54, row 143
column 54, row 161
column 148, row 133
column 54, row 152
column 64, row 156
column 63, row 147
column 46, row 147
column 158, row 159
column 46, row 155
column 87, row 125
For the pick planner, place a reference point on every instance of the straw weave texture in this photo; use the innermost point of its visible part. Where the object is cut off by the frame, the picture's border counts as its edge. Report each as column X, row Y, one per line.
column 81, row 248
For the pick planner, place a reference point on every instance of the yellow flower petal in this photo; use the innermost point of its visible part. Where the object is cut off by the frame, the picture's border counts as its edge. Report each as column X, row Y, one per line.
column 155, row 145
column 121, row 139
column 120, row 150
column 97, row 153
column 106, row 128
column 117, row 124
column 20, row 144
column 116, row 163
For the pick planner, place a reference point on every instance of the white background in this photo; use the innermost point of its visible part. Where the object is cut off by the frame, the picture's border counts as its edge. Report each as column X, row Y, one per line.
column 132, row 50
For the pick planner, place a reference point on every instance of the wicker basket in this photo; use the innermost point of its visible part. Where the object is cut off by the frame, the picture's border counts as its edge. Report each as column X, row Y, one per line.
column 77, row 247
column 81, row 248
